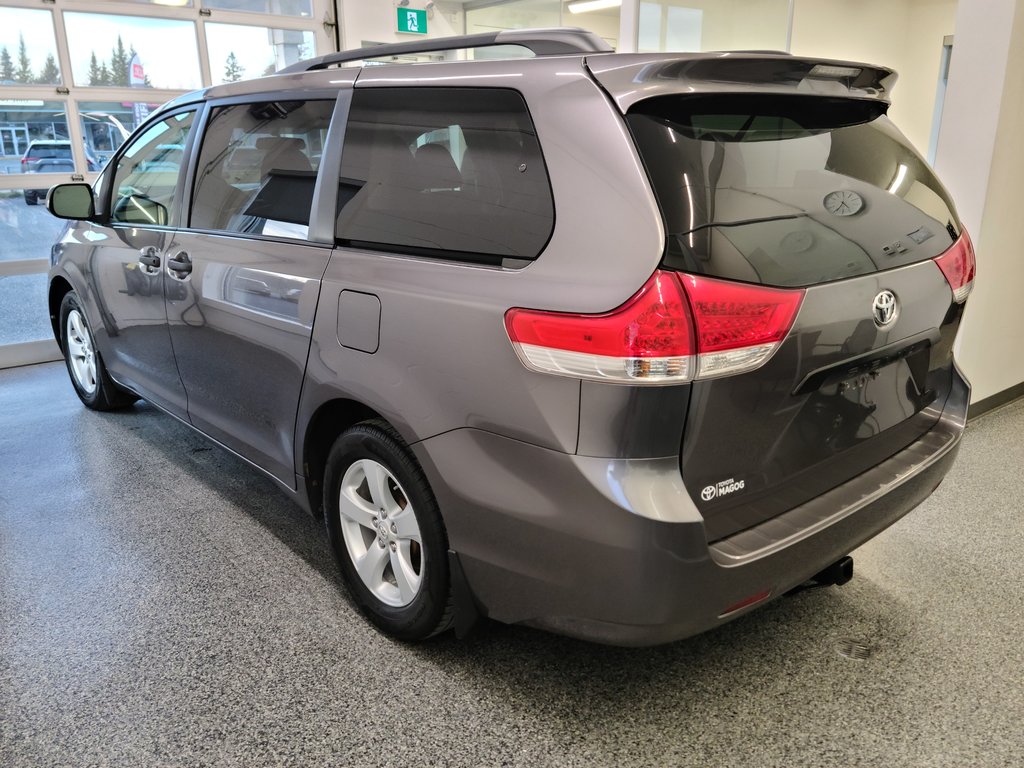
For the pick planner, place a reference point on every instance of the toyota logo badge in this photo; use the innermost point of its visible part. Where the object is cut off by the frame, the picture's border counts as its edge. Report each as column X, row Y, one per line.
column 885, row 309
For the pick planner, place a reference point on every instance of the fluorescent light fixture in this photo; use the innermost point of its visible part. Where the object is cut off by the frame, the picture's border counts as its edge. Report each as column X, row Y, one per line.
column 173, row 3
column 901, row 174
column 584, row 6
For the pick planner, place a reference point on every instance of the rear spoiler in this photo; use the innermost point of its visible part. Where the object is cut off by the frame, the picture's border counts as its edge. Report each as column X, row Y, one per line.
column 629, row 78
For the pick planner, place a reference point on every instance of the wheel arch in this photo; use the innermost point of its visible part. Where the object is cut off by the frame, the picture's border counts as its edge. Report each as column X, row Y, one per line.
column 328, row 421
column 59, row 288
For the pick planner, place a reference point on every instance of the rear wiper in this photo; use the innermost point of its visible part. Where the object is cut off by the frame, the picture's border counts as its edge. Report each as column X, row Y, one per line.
column 741, row 223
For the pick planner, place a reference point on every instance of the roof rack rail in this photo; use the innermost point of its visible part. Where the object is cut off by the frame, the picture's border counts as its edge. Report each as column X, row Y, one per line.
column 552, row 41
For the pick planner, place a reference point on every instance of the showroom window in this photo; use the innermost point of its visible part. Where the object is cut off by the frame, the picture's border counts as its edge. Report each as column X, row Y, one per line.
column 77, row 77
column 447, row 172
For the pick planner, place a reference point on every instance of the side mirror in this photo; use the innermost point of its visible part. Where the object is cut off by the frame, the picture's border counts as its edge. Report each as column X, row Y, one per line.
column 71, row 201
column 139, row 209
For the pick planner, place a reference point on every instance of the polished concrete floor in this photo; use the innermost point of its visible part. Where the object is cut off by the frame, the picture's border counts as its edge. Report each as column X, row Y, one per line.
column 163, row 604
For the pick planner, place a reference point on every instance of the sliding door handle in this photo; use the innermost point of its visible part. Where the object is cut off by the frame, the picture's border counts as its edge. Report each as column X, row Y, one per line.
column 179, row 265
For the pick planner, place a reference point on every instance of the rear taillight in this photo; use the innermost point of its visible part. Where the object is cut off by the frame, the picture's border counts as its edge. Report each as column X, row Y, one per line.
column 958, row 265
column 739, row 326
column 649, row 338
column 676, row 328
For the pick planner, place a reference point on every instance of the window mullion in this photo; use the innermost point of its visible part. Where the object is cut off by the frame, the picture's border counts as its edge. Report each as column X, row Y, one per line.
column 204, row 53
column 77, row 137
column 61, row 39
column 148, row 95
column 249, row 18
column 121, row 8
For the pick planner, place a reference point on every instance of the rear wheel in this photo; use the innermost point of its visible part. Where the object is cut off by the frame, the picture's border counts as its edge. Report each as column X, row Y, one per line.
column 387, row 533
column 30, row 198
column 88, row 375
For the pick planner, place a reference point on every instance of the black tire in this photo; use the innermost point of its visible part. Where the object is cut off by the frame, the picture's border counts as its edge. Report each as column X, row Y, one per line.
column 430, row 611
column 30, row 198
column 105, row 394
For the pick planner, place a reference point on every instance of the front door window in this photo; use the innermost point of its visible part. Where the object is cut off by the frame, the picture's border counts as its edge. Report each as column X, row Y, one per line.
column 146, row 176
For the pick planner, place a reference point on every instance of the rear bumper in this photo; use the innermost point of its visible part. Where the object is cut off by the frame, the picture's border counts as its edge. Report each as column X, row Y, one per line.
column 614, row 551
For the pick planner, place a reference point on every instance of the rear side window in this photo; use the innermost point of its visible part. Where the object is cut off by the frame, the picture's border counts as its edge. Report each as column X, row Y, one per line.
column 788, row 190
column 455, row 173
column 257, row 167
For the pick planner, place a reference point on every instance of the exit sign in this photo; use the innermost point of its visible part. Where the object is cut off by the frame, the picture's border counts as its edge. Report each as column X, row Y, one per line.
column 412, row 21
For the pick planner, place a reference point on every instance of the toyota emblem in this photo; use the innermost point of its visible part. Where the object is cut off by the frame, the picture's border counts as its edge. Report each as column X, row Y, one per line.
column 885, row 309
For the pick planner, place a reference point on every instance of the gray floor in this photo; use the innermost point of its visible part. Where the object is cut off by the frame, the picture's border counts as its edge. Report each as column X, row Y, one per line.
column 163, row 604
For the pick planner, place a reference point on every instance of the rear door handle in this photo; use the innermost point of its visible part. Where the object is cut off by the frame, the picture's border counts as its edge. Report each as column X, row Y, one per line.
column 149, row 257
column 179, row 265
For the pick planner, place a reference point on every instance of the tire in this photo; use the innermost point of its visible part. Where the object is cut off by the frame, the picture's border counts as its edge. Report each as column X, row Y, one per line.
column 387, row 534
column 89, row 376
column 30, row 198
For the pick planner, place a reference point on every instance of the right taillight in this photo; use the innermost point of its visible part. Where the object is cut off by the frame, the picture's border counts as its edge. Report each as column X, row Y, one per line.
column 676, row 328
column 958, row 265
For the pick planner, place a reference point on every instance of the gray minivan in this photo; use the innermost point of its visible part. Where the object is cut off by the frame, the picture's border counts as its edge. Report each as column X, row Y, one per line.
column 616, row 345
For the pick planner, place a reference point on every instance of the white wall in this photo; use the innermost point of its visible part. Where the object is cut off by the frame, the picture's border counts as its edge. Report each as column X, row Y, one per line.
column 543, row 13
column 905, row 35
column 980, row 158
column 735, row 24
column 374, row 21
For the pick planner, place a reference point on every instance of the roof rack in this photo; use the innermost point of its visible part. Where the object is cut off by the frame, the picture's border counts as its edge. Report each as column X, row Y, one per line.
column 553, row 41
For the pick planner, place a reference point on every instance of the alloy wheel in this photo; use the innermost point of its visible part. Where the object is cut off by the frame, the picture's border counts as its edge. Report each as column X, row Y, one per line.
column 382, row 535
column 81, row 353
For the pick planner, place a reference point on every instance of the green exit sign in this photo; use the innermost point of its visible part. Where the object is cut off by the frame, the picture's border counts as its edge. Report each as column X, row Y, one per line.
column 412, row 21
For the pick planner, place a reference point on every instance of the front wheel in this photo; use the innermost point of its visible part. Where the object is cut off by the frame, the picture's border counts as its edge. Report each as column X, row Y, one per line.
column 30, row 198
column 386, row 532
column 88, row 375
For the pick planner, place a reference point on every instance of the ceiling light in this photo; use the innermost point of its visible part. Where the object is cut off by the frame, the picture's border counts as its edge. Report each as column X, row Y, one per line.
column 583, row 6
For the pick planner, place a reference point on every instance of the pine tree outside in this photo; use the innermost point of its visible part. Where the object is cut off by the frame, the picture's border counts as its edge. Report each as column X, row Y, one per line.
column 28, row 49
column 233, row 71
column 116, row 73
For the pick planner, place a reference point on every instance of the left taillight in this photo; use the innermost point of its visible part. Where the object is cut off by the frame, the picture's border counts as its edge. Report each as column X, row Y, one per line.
column 649, row 339
column 676, row 328
column 959, row 265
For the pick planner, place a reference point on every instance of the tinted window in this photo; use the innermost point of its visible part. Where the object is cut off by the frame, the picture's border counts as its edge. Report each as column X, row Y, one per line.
column 452, row 172
column 789, row 191
column 45, row 151
column 147, row 173
column 257, row 167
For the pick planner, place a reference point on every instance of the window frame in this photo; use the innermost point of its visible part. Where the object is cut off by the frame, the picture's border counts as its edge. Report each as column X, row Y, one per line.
column 105, row 196
column 324, row 194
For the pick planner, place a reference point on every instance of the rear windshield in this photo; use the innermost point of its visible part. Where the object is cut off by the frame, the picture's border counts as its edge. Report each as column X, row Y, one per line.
column 788, row 190
column 50, row 150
